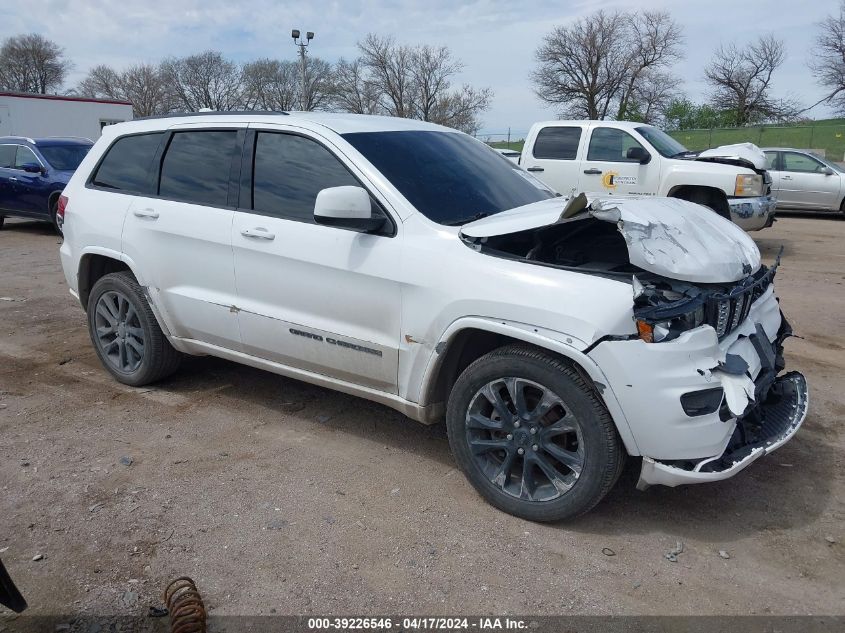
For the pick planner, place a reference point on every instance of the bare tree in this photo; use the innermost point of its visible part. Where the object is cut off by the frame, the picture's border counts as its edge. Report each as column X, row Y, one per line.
column 741, row 81
column 828, row 62
column 409, row 82
column 652, row 97
column 142, row 85
column 269, row 84
column 352, row 90
column 32, row 63
column 593, row 68
column 205, row 80
column 319, row 81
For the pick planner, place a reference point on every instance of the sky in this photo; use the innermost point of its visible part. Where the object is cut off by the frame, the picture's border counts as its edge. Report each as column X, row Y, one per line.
column 495, row 39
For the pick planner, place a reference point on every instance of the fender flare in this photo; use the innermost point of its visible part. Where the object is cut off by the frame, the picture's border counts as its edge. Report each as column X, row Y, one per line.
column 556, row 342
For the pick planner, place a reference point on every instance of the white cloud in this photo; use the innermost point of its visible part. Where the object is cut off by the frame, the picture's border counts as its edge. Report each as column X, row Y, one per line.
column 496, row 39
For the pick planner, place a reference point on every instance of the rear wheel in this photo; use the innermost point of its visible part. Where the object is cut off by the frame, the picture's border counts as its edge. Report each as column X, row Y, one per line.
column 2, row 221
column 125, row 333
column 531, row 436
column 54, row 207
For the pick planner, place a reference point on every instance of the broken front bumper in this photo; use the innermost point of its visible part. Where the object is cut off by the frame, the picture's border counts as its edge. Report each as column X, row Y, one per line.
column 752, row 214
column 774, row 422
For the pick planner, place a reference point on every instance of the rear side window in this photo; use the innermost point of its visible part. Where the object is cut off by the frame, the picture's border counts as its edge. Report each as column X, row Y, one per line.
column 127, row 163
column 7, row 155
column 557, row 143
column 196, row 167
column 289, row 173
column 610, row 144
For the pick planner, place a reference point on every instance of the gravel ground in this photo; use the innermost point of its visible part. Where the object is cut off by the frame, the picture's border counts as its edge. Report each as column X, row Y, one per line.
column 280, row 497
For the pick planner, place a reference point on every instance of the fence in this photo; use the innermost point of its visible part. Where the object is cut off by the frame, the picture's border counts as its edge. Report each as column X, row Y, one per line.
column 827, row 137
column 512, row 139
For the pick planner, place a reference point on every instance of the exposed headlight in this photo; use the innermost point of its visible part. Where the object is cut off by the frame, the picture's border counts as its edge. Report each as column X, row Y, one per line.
column 748, row 185
column 666, row 330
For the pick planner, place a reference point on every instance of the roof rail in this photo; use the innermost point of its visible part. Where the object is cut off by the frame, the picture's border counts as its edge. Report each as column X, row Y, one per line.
column 175, row 115
column 20, row 138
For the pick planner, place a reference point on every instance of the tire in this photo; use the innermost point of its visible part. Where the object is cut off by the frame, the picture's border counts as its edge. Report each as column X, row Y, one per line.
column 841, row 212
column 125, row 333
column 705, row 199
column 573, row 433
column 2, row 221
column 54, row 207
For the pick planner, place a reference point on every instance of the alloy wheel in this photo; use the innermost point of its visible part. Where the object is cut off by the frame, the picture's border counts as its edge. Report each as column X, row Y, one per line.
column 119, row 333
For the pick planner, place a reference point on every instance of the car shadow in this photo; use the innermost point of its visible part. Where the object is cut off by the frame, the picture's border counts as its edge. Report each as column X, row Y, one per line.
column 723, row 511
column 32, row 227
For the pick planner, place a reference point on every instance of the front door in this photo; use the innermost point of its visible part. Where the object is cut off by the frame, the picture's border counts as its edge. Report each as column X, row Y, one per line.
column 180, row 237
column 803, row 182
column 314, row 297
column 608, row 170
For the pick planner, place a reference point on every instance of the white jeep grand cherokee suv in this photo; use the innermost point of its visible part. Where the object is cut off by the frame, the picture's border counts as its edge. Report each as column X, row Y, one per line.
column 410, row 264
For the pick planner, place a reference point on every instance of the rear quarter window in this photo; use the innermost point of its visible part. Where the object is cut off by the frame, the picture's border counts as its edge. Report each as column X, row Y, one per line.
column 127, row 164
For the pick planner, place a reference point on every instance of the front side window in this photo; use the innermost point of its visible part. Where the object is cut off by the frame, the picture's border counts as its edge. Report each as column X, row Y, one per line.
column 126, row 165
column 7, row 155
column 793, row 161
column 289, row 172
column 64, row 157
column 557, row 143
column 611, row 145
column 25, row 156
column 449, row 177
column 197, row 165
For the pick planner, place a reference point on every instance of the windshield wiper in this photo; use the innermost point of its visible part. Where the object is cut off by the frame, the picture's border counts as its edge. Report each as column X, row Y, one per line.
column 472, row 218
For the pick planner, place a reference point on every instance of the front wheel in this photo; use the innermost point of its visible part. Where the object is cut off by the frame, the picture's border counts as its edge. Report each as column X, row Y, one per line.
column 532, row 436
column 125, row 333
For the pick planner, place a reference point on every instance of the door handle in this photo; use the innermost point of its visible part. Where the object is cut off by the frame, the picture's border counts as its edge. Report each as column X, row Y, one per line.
column 152, row 214
column 260, row 233
column 535, row 169
column 786, row 177
column 592, row 172
column 13, row 179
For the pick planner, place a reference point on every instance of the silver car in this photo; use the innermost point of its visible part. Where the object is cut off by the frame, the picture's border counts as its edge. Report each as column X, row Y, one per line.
column 802, row 180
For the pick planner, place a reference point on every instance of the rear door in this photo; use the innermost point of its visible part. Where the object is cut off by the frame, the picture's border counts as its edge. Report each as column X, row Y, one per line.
column 319, row 298
column 553, row 156
column 7, row 162
column 179, row 236
column 804, row 183
column 607, row 169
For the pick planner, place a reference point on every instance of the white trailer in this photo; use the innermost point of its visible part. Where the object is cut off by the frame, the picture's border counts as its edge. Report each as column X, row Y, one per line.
column 37, row 115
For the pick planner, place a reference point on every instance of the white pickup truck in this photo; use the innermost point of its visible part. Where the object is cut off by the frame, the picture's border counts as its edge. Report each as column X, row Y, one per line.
column 628, row 158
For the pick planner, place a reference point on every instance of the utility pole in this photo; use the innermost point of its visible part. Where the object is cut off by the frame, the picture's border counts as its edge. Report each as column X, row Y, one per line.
column 302, row 44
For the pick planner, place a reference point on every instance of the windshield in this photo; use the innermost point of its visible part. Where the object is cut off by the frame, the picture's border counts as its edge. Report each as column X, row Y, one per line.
column 450, row 178
column 64, row 157
column 663, row 143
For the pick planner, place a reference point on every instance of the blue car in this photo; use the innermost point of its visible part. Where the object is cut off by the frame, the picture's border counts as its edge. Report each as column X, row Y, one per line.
column 33, row 173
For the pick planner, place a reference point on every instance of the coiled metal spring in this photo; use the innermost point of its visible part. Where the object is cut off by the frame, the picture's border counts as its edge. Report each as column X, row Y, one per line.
column 184, row 603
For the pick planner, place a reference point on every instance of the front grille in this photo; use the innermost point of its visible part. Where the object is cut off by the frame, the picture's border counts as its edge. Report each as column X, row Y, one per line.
column 727, row 310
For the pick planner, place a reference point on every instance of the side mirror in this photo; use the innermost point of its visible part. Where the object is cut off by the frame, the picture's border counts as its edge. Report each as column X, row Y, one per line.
column 346, row 207
column 827, row 171
column 638, row 154
column 32, row 168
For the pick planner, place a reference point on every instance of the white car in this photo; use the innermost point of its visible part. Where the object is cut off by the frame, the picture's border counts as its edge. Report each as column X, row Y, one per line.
column 409, row 264
column 802, row 180
column 629, row 158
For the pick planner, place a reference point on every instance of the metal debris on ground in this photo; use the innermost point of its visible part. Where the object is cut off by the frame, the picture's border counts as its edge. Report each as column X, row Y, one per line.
column 38, row 557
column 158, row 612
column 672, row 554
column 185, row 605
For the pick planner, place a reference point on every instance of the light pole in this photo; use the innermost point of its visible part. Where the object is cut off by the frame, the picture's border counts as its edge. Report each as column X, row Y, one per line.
column 302, row 43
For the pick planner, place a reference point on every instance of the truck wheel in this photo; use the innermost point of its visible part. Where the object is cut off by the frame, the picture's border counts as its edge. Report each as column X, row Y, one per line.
column 706, row 199
column 125, row 332
column 531, row 435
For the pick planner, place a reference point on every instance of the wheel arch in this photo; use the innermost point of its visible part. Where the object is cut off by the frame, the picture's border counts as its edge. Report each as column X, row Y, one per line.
column 715, row 197
column 92, row 267
column 51, row 199
column 464, row 343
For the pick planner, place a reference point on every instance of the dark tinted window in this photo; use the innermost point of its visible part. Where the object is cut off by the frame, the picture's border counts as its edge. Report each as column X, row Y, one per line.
column 289, row 173
column 196, row 167
column 559, row 143
column 7, row 155
column 64, row 157
column 25, row 156
column 126, row 166
column 450, row 178
column 610, row 144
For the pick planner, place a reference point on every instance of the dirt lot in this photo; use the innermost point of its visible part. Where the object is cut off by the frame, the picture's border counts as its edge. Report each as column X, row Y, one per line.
column 276, row 495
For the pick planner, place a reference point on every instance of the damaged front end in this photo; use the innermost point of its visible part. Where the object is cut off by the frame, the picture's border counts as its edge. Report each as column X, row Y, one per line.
column 698, row 376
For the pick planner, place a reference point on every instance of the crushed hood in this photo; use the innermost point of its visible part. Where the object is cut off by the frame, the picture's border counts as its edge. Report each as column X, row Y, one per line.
column 665, row 236
column 741, row 154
